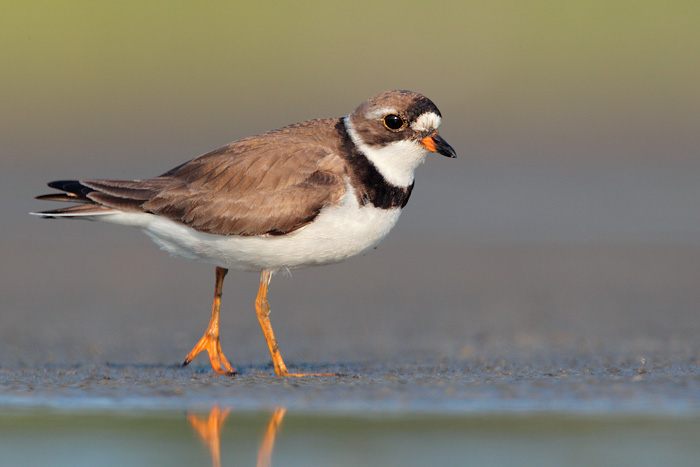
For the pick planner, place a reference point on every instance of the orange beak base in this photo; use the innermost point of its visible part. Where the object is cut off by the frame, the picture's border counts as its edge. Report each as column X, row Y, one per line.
column 435, row 143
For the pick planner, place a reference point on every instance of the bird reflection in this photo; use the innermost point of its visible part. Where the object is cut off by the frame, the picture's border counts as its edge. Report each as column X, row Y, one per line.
column 210, row 432
column 268, row 443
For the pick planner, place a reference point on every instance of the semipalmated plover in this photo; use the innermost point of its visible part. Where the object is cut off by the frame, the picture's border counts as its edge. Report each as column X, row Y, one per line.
column 310, row 193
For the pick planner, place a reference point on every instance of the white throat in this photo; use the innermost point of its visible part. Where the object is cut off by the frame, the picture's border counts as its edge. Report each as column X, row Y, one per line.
column 396, row 161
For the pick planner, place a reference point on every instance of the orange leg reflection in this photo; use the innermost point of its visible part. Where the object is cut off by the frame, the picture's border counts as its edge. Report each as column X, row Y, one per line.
column 268, row 443
column 210, row 431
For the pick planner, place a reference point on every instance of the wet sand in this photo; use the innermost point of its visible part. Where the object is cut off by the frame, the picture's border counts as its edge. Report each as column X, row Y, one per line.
column 579, row 386
column 491, row 328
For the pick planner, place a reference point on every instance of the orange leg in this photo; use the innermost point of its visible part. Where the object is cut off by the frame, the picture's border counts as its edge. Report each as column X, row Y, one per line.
column 263, row 310
column 210, row 339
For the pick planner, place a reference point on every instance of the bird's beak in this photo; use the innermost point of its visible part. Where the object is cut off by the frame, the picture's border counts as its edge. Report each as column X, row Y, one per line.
column 434, row 143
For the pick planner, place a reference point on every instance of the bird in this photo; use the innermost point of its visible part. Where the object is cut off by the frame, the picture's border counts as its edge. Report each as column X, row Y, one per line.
column 310, row 193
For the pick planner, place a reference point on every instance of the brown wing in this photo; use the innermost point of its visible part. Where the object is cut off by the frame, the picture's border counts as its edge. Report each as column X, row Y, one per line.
column 270, row 184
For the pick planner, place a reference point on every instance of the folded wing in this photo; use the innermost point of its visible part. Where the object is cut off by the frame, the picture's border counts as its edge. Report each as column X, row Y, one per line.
column 270, row 184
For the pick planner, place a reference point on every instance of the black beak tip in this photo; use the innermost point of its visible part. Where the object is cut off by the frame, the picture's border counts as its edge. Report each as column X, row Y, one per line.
column 450, row 153
column 445, row 149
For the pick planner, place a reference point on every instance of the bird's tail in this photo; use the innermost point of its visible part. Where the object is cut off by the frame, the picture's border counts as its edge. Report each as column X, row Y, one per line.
column 100, row 197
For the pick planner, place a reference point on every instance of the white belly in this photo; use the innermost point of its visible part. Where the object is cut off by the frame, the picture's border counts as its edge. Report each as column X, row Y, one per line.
column 338, row 233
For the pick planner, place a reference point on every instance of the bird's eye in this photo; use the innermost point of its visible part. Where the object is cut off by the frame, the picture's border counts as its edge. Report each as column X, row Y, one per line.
column 393, row 122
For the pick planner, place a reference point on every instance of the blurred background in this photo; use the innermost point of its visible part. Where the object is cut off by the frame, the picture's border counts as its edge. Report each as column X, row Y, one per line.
column 569, row 224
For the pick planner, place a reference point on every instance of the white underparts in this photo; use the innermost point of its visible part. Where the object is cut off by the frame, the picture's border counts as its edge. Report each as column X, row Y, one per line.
column 339, row 232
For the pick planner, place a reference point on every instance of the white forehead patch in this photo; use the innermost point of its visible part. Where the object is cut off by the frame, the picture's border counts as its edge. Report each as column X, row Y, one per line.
column 427, row 122
column 379, row 113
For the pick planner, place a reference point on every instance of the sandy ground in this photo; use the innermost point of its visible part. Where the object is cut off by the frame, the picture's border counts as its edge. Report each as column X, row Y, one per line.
column 449, row 327
column 499, row 288
column 576, row 387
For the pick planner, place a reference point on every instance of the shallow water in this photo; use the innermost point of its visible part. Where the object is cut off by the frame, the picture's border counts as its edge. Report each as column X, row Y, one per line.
column 46, row 437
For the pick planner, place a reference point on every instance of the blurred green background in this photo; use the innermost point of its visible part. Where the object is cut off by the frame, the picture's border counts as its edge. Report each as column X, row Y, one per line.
column 554, row 81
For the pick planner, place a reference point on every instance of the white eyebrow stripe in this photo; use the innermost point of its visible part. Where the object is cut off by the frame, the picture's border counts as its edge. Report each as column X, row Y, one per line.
column 379, row 113
column 427, row 122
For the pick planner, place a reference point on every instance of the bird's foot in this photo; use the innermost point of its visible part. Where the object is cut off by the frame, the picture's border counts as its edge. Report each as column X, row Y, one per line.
column 210, row 343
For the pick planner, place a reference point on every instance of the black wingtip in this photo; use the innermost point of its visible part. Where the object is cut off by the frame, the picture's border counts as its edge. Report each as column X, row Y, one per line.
column 71, row 186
